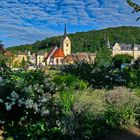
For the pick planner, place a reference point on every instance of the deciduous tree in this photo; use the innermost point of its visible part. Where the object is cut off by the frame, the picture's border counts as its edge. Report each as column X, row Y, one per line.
column 135, row 6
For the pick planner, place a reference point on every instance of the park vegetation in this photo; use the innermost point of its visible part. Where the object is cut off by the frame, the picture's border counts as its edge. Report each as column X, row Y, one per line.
column 82, row 101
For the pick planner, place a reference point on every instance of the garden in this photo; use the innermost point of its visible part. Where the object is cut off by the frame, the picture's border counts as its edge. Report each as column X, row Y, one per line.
column 79, row 101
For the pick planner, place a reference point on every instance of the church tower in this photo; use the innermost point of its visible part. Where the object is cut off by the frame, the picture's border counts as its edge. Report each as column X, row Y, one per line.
column 66, row 43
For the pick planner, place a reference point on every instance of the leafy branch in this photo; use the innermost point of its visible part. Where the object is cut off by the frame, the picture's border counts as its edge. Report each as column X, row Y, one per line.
column 135, row 6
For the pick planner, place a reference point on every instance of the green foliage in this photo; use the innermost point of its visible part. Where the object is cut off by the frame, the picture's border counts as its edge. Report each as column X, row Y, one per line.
column 135, row 6
column 136, row 64
column 105, row 76
column 61, row 106
column 27, row 98
column 98, row 76
column 66, row 100
column 137, row 90
column 103, row 56
column 99, row 113
column 33, row 102
column 67, row 86
column 133, row 78
column 23, row 62
column 3, row 61
column 64, row 82
column 120, row 59
column 87, row 41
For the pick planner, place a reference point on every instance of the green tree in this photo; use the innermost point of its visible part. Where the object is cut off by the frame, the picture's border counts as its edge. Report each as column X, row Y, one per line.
column 135, row 6
column 120, row 59
column 136, row 64
column 103, row 56
column 23, row 62
column 86, row 41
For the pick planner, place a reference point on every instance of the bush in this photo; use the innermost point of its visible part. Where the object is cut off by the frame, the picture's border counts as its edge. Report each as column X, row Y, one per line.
column 125, row 103
column 63, row 106
column 104, row 76
column 69, row 81
column 99, row 113
column 136, row 64
column 27, row 97
column 31, row 100
column 120, row 59
column 133, row 78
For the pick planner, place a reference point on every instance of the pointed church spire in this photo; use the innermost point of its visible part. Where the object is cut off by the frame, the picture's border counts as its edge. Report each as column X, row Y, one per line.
column 108, row 42
column 65, row 30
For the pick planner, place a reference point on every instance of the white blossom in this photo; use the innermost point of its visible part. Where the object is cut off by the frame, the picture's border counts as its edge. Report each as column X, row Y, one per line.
column 14, row 95
column 8, row 106
column 1, row 101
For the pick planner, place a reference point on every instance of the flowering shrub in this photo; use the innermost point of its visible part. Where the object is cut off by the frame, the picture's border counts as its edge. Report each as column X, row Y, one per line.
column 34, row 105
column 27, row 104
column 102, row 76
column 98, row 113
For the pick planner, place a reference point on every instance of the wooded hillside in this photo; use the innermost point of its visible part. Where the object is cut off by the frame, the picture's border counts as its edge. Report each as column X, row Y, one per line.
column 88, row 41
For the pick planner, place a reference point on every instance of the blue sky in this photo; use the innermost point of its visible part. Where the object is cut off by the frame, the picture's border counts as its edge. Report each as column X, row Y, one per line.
column 25, row 21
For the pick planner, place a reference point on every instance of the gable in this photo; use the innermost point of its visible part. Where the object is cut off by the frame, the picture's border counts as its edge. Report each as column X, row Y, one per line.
column 116, row 47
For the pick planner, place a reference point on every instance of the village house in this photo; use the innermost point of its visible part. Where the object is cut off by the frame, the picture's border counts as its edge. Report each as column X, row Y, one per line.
column 40, row 58
column 18, row 58
column 32, row 58
column 133, row 50
column 49, row 58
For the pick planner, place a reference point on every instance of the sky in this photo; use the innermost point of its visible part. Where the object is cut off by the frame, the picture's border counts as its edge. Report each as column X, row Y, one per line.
column 25, row 21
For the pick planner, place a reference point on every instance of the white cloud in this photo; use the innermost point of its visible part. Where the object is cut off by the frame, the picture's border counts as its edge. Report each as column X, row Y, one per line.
column 29, row 20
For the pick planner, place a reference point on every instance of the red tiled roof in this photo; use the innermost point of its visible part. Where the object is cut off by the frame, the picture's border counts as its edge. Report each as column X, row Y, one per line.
column 58, row 53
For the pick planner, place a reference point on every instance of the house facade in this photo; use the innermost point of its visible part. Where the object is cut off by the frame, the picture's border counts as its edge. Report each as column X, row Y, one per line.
column 133, row 50
column 49, row 58
column 21, row 56
column 40, row 59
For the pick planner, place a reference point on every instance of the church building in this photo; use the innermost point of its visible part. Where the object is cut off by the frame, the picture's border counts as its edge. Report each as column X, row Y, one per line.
column 57, row 54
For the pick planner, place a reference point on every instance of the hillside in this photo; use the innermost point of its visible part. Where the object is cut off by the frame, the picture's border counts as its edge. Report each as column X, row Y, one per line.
column 88, row 41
